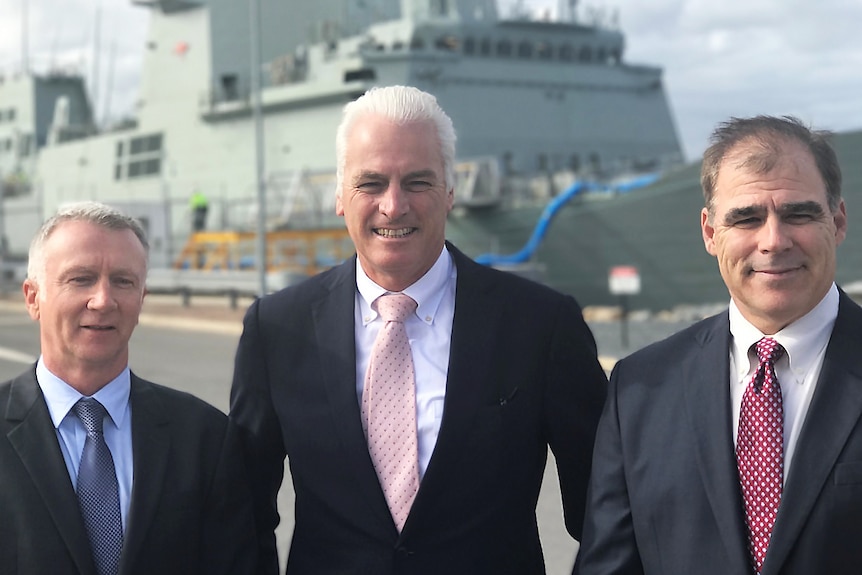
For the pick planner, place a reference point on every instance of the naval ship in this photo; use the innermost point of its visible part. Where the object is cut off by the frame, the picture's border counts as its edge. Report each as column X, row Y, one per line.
column 544, row 107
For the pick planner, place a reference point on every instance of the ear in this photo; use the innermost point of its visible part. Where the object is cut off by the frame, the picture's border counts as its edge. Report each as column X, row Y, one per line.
column 31, row 298
column 707, row 231
column 840, row 219
column 450, row 200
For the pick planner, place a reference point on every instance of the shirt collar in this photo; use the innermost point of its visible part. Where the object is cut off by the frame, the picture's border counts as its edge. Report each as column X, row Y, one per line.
column 803, row 340
column 427, row 291
column 61, row 397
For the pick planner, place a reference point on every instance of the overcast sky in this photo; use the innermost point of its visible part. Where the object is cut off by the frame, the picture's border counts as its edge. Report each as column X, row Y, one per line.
column 721, row 58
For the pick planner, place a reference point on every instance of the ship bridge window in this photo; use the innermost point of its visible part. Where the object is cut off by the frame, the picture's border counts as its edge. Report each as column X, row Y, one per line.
column 229, row 87
column 361, row 74
column 469, row 46
column 566, row 52
column 504, row 48
column 586, row 54
column 601, row 55
column 417, row 43
column 544, row 51
column 485, row 47
column 141, row 157
column 447, row 43
column 10, row 115
column 525, row 50
column 616, row 55
column 397, row 45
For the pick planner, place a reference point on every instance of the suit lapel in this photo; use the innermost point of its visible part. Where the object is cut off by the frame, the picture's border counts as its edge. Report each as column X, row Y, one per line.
column 707, row 398
column 333, row 320
column 150, row 445
column 471, row 359
column 833, row 414
column 34, row 439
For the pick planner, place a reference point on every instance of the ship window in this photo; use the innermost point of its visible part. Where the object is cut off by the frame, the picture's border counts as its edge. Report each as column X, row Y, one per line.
column 228, row 86
column 504, row 48
column 575, row 162
column 543, row 51
column 141, row 157
column 25, row 144
column 485, row 47
column 11, row 115
column 397, row 45
column 447, row 43
column 417, row 43
column 586, row 54
column 542, row 162
column 616, row 55
column 566, row 52
column 469, row 45
column 361, row 74
column 601, row 55
column 525, row 50
column 141, row 168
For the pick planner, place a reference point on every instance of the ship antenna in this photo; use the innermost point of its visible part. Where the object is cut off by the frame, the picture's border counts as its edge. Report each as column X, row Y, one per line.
column 109, row 83
column 25, row 57
column 96, row 60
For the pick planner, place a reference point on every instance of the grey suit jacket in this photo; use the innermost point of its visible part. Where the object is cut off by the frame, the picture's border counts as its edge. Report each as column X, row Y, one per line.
column 190, row 509
column 665, row 497
column 523, row 374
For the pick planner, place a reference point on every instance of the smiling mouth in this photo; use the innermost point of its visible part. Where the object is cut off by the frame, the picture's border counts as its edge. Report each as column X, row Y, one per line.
column 99, row 327
column 390, row 233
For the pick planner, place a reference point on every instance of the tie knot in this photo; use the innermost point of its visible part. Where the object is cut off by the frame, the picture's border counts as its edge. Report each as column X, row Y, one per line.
column 395, row 307
column 769, row 350
column 91, row 413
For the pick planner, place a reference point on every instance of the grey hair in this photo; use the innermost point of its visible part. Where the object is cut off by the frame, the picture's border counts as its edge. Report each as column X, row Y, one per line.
column 403, row 105
column 92, row 212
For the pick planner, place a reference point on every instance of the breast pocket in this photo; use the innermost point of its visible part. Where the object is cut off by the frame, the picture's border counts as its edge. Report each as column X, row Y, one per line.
column 848, row 473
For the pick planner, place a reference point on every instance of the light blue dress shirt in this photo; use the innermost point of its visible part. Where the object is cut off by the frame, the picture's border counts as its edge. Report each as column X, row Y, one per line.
column 61, row 397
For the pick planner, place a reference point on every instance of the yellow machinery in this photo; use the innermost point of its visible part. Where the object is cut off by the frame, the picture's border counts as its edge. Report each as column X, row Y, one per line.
column 302, row 251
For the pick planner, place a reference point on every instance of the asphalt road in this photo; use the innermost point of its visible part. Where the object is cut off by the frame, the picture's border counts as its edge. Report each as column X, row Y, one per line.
column 197, row 356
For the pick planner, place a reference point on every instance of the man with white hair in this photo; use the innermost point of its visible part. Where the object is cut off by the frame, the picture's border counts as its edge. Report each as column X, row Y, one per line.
column 414, row 392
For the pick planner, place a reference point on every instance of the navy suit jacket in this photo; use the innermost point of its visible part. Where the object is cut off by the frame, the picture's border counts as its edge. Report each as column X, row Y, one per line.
column 665, row 496
column 190, row 509
column 523, row 374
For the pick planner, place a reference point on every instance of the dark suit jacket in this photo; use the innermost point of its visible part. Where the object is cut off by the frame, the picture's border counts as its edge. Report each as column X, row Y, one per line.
column 665, row 496
column 190, row 509
column 523, row 374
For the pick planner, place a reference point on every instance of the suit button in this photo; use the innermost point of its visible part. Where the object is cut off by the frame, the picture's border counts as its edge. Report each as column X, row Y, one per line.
column 403, row 552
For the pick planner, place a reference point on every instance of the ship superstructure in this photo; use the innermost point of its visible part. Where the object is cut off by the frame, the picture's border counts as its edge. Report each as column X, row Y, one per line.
column 527, row 97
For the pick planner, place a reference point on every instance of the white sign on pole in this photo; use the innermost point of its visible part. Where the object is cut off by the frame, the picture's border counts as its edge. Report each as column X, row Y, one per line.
column 624, row 280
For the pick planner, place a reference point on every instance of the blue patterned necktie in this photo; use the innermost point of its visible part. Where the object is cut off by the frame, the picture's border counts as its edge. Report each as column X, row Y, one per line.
column 98, row 491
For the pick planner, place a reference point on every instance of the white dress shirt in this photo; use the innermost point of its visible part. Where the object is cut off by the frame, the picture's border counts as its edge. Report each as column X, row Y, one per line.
column 117, row 428
column 429, row 330
column 805, row 342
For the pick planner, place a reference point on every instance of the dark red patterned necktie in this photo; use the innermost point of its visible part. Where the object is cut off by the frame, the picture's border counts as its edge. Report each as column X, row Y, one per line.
column 760, row 450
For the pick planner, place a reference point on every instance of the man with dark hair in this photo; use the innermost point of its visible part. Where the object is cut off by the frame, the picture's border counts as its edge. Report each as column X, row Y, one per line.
column 735, row 446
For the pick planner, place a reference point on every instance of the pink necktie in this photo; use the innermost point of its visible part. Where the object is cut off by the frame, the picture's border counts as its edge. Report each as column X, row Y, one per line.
column 760, row 450
column 389, row 407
